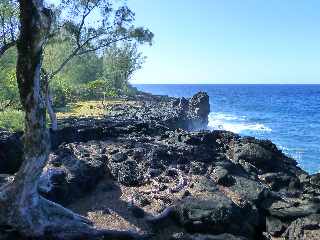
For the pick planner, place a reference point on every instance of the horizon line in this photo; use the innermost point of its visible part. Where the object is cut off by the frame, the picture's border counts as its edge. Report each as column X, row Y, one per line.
column 225, row 83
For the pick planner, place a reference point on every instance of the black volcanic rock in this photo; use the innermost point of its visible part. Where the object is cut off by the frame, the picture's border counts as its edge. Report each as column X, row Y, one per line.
column 11, row 151
column 216, row 213
column 73, row 170
column 199, row 109
column 183, row 236
column 195, row 185
column 304, row 228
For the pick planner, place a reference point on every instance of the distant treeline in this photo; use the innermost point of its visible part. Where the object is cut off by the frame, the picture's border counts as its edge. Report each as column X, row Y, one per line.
column 88, row 77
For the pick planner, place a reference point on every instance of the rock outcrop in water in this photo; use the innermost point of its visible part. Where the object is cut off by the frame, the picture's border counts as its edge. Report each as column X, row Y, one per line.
column 141, row 169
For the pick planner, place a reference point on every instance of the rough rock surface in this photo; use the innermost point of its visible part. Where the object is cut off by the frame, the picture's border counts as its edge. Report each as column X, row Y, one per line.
column 10, row 152
column 138, row 170
column 146, row 113
column 72, row 170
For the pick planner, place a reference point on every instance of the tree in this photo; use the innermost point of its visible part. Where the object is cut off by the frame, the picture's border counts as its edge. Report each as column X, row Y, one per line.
column 9, row 91
column 21, row 206
column 120, row 62
column 67, row 85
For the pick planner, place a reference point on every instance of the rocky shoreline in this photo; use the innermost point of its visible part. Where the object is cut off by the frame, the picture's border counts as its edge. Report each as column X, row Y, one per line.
column 147, row 168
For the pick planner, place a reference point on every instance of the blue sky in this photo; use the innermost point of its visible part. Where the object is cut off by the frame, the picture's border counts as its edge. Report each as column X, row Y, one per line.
column 230, row 41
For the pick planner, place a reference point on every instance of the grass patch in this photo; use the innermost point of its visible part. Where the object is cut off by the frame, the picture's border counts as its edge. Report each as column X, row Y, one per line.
column 12, row 120
column 96, row 109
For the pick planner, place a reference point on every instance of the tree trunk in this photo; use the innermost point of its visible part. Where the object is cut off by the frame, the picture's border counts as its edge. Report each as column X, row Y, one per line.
column 51, row 112
column 21, row 206
column 48, row 96
column 22, row 193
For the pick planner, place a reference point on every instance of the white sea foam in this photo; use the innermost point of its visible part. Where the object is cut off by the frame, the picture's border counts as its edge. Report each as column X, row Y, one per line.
column 236, row 124
column 295, row 153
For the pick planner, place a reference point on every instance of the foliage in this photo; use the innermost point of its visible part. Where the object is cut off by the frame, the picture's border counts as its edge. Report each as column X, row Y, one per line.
column 73, row 52
column 63, row 93
column 85, row 78
column 91, row 26
column 9, row 95
column 120, row 63
column 100, row 89
column 93, row 77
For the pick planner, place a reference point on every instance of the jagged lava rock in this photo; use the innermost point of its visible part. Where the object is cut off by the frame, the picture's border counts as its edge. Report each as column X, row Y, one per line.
column 193, row 184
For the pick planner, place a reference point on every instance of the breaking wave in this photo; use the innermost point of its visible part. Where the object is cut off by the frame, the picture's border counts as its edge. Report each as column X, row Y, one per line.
column 236, row 124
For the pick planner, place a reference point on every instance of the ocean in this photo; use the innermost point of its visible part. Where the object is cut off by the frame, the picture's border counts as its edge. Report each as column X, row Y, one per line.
column 288, row 115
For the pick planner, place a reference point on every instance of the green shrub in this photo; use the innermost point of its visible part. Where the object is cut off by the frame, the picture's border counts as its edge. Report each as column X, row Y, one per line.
column 12, row 120
column 9, row 94
column 63, row 93
column 130, row 90
column 99, row 89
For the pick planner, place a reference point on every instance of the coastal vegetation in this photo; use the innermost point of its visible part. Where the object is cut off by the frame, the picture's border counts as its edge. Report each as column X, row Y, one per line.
column 82, row 60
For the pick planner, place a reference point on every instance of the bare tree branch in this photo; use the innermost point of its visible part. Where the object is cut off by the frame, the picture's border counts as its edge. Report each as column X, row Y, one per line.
column 9, row 26
column 6, row 47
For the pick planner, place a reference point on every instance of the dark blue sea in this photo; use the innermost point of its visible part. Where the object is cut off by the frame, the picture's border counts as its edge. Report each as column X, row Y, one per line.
column 289, row 115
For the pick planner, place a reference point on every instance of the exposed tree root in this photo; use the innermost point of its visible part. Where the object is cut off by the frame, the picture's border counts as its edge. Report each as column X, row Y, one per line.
column 48, row 220
column 181, row 184
column 182, row 181
column 164, row 215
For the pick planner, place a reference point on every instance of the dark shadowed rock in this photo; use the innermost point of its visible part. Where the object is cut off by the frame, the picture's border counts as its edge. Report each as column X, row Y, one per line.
column 280, row 180
column 315, row 179
column 292, row 209
column 274, row 226
column 128, row 173
column 304, row 228
column 221, row 176
column 226, row 236
column 10, row 152
column 199, row 109
column 215, row 213
column 257, row 155
column 73, row 170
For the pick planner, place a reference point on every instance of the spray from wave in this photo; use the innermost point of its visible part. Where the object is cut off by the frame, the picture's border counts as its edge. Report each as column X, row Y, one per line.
column 236, row 124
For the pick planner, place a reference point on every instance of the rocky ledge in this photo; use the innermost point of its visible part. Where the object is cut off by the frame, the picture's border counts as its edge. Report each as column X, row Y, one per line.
column 142, row 170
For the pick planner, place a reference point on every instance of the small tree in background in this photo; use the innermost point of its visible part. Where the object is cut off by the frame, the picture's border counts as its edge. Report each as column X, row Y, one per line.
column 119, row 64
